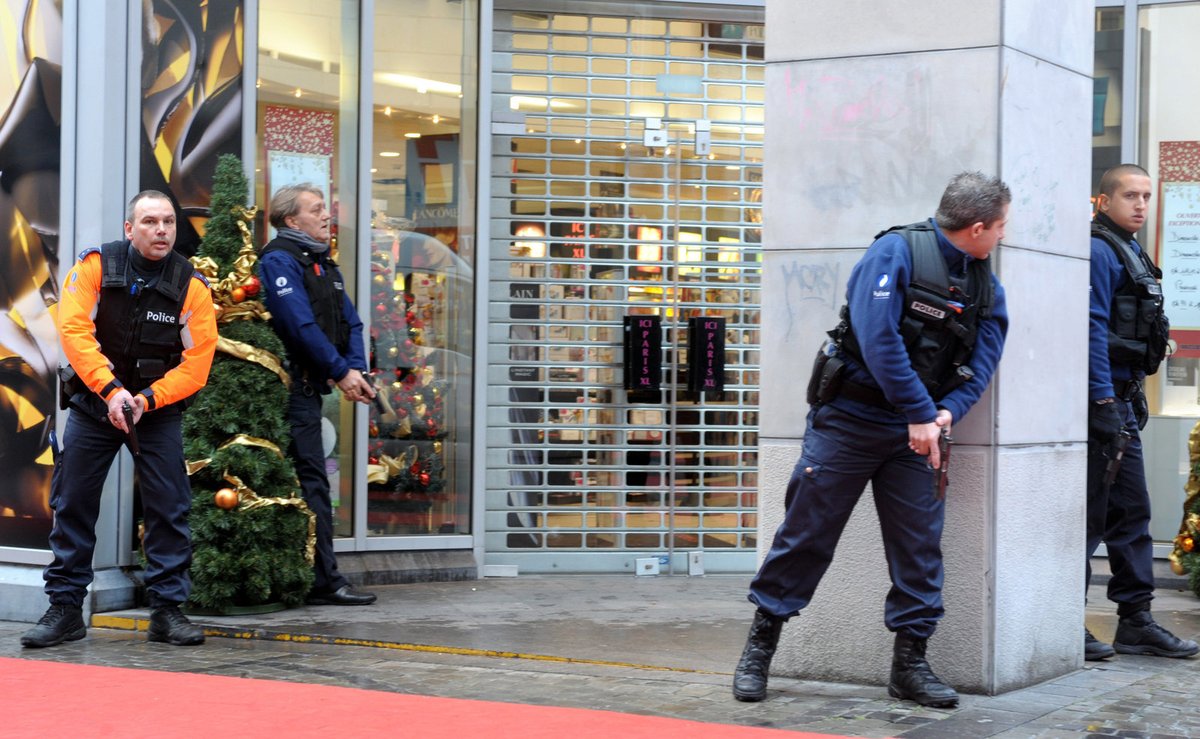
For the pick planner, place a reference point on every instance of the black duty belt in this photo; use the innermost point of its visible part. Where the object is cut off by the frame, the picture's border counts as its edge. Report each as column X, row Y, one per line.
column 1127, row 389
column 867, row 395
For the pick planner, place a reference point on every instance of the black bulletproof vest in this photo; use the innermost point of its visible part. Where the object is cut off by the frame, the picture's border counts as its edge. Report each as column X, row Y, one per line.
column 941, row 315
column 1138, row 330
column 138, row 327
column 325, row 291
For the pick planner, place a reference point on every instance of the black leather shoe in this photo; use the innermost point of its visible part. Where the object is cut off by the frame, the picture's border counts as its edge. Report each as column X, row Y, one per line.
column 343, row 596
column 913, row 679
column 60, row 623
column 168, row 624
column 750, row 677
column 1138, row 633
column 1095, row 650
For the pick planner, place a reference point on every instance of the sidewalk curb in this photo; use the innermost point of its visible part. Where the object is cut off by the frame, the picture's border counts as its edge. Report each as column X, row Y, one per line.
column 126, row 623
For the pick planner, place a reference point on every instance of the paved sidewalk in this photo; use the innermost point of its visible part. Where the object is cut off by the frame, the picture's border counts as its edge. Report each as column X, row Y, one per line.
column 660, row 646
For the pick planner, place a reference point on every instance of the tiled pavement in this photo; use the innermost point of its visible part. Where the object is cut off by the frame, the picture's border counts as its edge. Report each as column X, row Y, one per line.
column 661, row 646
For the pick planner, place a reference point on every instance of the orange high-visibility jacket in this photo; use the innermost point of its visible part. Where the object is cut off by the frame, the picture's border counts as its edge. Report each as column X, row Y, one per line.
column 77, row 310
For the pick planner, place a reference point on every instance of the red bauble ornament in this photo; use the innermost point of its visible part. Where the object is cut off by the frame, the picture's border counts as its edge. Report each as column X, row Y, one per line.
column 401, row 413
column 252, row 285
column 410, row 316
column 409, row 298
column 226, row 498
column 372, row 460
column 381, row 308
column 423, row 478
column 416, row 467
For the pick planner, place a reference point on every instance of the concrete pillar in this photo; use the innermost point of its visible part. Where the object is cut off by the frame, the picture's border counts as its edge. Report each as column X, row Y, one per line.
column 871, row 108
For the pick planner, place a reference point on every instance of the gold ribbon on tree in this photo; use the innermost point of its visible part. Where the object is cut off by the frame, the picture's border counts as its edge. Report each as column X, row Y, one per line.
column 229, row 308
column 389, row 467
column 1189, row 528
column 255, row 355
column 248, row 500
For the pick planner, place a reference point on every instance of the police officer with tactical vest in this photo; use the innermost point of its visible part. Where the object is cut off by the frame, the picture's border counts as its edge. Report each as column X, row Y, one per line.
column 921, row 335
column 313, row 315
column 1128, row 334
column 138, row 328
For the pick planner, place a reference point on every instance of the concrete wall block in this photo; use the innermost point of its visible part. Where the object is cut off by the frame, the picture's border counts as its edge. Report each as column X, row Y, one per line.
column 858, row 145
column 1035, row 27
column 1047, row 174
column 1039, row 519
column 859, row 27
column 776, row 460
column 808, row 288
column 1042, row 381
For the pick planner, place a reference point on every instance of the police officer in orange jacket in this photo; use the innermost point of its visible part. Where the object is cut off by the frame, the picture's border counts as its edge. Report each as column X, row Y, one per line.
column 138, row 328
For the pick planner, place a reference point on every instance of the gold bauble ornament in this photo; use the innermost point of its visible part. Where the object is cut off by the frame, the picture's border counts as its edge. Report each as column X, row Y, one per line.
column 1177, row 567
column 1187, row 544
column 226, row 499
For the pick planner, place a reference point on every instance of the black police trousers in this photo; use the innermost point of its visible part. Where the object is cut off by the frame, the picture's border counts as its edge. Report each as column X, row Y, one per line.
column 89, row 447
column 842, row 453
column 1120, row 517
column 308, row 454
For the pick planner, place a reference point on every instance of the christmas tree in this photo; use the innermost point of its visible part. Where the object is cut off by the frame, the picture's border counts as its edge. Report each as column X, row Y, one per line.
column 1185, row 558
column 407, row 475
column 251, row 533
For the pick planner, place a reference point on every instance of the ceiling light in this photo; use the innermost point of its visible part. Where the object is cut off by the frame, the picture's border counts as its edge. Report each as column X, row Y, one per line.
column 387, row 110
column 419, row 84
column 389, row 154
column 436, row 119
column 298, row 92
column 412, row 135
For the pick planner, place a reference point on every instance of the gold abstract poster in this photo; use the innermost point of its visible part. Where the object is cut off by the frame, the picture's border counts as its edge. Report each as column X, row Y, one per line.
column 31, row 101
column 192, row 53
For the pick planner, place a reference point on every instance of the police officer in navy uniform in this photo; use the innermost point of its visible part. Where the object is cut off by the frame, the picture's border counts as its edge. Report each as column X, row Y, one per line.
column 922, row 333
column 1127, row 340
column 138, row 328
column 313, row 315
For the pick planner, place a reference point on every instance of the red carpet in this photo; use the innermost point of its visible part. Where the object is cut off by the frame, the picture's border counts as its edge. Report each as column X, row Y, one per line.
column 50, row 698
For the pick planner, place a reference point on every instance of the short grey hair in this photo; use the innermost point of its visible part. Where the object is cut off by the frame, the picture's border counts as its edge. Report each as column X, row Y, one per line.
column 145, row 195
column 284, row 202
column 970, row 198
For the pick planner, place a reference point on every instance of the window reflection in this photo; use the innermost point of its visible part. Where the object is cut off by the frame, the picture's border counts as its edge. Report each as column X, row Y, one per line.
column 421, row 252
column 307, row 126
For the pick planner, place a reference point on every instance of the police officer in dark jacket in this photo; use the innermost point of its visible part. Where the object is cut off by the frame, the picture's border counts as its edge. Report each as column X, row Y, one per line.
column 138, row 328
column 313, row 315
column 1127, row 339
column 921, row 336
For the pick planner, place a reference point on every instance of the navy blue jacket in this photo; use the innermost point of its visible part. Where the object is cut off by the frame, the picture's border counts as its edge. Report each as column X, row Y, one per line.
column 1107, row 276
column 875, row 295
column 292, row 318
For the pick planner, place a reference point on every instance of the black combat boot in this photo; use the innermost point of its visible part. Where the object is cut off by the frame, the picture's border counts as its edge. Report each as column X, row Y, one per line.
column 1095, row 650
column 1138, row 633
column 750, row 677
column 168, row 624
column 60, row 623
column 913, row 679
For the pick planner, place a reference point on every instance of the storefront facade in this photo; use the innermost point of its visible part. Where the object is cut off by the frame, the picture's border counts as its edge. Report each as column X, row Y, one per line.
column 1142, row 47
column 475, row 342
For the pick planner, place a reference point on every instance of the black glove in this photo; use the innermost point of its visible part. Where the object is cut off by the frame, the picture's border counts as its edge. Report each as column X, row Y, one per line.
column 1141, row 409
column 1104, row 420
